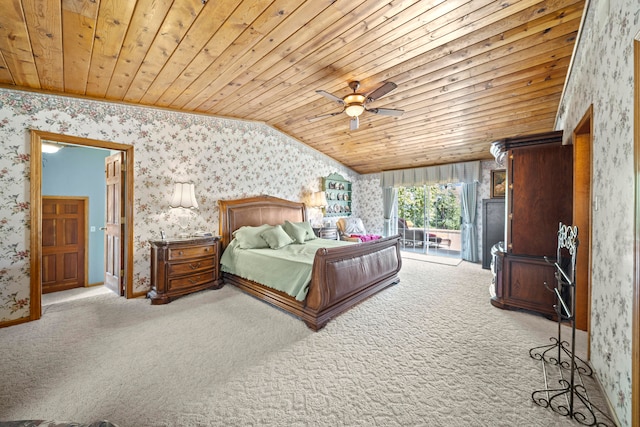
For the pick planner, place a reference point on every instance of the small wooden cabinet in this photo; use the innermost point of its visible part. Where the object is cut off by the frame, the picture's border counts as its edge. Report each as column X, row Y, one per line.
column 182, row 266
column 327, row 232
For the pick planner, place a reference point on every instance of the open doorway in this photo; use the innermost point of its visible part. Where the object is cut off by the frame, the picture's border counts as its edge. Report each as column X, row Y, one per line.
column 582, row 203
column 126, row 270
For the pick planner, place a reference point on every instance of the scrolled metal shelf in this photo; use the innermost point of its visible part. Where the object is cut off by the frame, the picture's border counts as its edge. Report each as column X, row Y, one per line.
column 543, row 353
column 571, row 399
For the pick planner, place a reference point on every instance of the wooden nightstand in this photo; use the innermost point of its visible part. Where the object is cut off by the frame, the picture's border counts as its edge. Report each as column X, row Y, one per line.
column 326, row 232
column 182, row 266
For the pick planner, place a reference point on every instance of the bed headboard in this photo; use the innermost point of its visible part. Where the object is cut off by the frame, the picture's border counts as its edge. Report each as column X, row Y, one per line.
column 254, row 211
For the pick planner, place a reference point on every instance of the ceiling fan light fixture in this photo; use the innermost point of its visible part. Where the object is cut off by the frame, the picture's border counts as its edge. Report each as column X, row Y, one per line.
column 354, row 104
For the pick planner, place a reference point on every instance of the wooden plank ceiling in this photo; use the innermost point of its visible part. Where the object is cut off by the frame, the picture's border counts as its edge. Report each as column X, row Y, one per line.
column 468, row 72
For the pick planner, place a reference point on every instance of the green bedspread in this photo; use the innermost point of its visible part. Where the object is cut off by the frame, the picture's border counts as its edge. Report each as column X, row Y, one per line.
column 287, row 269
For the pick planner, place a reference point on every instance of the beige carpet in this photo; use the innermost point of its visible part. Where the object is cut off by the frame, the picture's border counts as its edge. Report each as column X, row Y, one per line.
column 444, row 260
column 430, row 351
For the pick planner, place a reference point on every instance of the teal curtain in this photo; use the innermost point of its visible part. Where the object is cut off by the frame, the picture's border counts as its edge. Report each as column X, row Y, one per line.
column 469, row 236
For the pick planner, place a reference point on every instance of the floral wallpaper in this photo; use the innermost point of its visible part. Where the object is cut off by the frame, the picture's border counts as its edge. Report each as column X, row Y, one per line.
column 602, row 76
column 224, row 158
column 369, row 204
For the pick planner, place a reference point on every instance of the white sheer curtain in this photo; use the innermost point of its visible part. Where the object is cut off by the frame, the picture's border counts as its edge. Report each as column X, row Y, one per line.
column 469, row 235
column 389, row 196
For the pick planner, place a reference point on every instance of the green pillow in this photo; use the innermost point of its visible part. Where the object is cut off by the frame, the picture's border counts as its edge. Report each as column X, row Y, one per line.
column 276, row 237
column 310, row 234
column 249, row 237
column 295, row 231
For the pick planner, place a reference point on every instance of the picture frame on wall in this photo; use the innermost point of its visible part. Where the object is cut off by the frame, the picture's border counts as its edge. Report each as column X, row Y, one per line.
column 498, row 183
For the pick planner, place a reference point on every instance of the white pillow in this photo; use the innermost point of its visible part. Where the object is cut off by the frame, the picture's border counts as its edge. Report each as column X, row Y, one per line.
column 354, row 226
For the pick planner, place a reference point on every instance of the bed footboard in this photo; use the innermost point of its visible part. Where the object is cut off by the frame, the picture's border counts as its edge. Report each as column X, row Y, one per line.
column 344, row 276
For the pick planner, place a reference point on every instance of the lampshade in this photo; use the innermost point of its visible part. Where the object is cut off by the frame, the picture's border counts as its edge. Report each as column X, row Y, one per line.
column 184, row 196
column 318, row 199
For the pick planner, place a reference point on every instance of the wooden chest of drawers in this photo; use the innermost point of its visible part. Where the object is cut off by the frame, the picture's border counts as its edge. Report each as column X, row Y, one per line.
column 182, row 266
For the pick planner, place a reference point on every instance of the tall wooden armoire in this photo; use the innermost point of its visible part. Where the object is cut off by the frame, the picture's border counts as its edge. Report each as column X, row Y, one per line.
column 539, row 197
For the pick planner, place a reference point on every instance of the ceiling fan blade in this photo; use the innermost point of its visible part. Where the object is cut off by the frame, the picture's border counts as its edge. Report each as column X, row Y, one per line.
column 355, row 122
column 324, row 116
column 386, row 111
column 330, row 96
column 381, row 91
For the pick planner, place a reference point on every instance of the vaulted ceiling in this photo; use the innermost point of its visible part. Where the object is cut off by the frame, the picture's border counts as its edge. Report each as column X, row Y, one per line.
column 468, row 72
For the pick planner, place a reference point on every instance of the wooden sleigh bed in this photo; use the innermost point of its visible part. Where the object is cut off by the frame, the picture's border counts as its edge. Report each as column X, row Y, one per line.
column 341, row 277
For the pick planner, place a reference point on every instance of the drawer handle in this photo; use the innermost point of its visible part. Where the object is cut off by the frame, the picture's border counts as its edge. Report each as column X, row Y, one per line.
column 180, row 253
column 194, row 266
column 193, row 282
column 206, row 249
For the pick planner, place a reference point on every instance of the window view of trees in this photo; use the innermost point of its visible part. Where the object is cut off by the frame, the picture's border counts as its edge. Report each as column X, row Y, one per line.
column 442, row 206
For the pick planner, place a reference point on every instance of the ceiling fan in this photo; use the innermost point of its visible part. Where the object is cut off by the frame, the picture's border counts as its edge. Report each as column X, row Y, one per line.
column 356, row 103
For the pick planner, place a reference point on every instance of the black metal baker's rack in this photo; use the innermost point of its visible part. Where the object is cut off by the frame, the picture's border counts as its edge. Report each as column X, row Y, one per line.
column 559, row 360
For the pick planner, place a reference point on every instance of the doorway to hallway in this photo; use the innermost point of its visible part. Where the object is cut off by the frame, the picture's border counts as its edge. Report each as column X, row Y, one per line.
column 37, row 137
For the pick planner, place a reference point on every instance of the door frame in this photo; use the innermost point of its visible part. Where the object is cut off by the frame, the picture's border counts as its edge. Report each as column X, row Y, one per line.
column 37, row 136
column 582, row 140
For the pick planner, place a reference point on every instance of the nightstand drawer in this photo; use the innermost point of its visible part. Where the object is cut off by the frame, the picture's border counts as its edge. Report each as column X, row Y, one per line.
column 192, row 280
column 191, row 252
column 190, row 266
